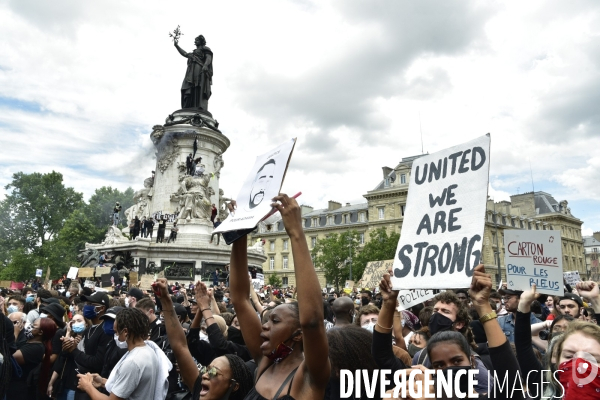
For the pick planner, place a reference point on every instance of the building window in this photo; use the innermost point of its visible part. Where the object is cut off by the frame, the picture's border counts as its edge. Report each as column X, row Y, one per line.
column 361, row 238
column 313, row 241
column 380, row 212
column 330, row 220
column 315, row 222
column 402, row 210
column 346, row 218
column 284, row 281
column 503, row 220
column 512, row 222
column 272, row 245
column 285, row 262
column 285, row 244
column 387, row 182
column 361, row 217
column 271, row 262
column 403, row 178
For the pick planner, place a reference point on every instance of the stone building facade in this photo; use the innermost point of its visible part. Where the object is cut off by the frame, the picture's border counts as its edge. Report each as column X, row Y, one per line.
column 386, row 206
column 591, row 246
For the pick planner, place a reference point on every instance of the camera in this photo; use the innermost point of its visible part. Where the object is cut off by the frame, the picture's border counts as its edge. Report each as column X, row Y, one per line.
column 544, row 334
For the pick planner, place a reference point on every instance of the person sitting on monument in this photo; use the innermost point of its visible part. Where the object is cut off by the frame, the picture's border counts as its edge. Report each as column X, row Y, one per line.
column 173, row 234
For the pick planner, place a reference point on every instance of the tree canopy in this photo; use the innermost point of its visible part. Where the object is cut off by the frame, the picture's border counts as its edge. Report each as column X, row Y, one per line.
column 332, row 254
column 380, row 246
column 44, row 224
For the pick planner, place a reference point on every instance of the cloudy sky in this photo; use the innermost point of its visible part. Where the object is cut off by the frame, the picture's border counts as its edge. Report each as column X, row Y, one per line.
column 82, row 83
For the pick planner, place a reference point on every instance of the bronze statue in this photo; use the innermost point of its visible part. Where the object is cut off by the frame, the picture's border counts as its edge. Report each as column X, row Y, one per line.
column 195, row 89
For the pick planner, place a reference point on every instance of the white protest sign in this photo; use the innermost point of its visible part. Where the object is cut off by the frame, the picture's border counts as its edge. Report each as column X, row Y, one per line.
column 38, row 272
column 258, row 282
column 72, row 273
column 533, row 257
column 409, row 298
column 262, row 184
column 440, row 243
column 572, row 277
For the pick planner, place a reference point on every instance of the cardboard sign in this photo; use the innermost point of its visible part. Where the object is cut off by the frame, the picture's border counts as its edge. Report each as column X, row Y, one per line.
column 409, row 298
column 349, row 284
column 146, row 281
column 88, row 284
column 5, row 284
column 261, row 185
column 442, row 232
column 86, row 272
column 534, row 257
column 572, row 277
column 373, row 273
column 38, row 273
column 102, row 270
column 72, row 273
column 133, row 278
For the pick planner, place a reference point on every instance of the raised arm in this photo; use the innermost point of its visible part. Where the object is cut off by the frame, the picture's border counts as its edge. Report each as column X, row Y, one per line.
column 239, row 288
column 310, row 303
column 182, row 52
column 187, row 366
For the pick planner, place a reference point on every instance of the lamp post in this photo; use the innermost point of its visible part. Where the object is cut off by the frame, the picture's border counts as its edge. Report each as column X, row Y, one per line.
column 350, row 255
column 497, row 251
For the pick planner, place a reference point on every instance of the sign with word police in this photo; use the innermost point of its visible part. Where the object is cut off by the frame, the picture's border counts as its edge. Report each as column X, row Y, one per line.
column 440, row 243
column 534, row 257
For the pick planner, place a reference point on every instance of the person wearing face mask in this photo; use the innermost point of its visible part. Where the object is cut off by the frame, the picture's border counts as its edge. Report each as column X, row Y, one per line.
column 141, row 373
column 18, row 319
column 133, row 296
column 35, row 313
column 367, row 317
column 113, row 352
column 365, row 297
column 157, row 328
column 89, row 354
column 63, row 382
column 30, row 356
column 15, row 303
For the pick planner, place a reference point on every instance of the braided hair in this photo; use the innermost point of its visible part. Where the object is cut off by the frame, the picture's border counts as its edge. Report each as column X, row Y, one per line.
column 242, row 375
column 135, row 321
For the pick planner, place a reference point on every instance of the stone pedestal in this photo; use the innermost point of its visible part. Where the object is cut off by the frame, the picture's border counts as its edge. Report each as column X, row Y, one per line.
column 182, row 198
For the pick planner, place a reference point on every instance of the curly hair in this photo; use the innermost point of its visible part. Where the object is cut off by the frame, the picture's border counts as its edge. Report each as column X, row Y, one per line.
column 135, row 321
column 350, row 348
column 242, row 375
column 462, row 314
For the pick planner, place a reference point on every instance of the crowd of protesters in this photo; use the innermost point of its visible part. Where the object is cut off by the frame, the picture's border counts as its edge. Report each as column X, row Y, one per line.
column 236, row 341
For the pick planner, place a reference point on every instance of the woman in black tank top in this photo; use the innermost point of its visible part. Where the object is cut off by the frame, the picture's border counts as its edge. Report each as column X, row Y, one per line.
column 290, row 349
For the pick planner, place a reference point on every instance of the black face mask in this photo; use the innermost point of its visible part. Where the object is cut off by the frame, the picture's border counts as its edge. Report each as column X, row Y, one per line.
column 364, row 301
column 439, row 323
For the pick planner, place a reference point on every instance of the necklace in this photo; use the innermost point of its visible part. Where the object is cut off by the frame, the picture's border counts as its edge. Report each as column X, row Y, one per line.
column 91, row 331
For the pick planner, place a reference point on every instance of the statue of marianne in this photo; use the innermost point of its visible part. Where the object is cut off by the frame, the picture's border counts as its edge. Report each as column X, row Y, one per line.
column 195, row 89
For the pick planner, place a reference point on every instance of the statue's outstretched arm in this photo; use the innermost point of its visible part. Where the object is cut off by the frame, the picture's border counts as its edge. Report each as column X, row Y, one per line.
column 181, row 51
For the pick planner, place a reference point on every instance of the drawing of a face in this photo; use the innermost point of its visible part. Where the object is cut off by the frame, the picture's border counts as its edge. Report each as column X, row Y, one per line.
column 261, row 183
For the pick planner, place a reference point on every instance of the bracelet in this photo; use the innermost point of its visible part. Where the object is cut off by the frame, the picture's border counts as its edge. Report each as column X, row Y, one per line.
column 382, row 327
column 205, row 309
column 206, row 319
column 488, row 317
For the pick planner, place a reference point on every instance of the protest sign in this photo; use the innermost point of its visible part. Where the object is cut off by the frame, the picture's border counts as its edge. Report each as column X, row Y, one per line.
column 102, row 270
column 5, row 284
column 571, row 278
column 38, row 272
column 146, row 281
column 374, row 272
column 72, row 274
column 409, row 298
column 261, row 185
column 349, row 284
column 88, row 284
column 86, row 272
column 534, row 257
column 133, row 278
column 442, row 231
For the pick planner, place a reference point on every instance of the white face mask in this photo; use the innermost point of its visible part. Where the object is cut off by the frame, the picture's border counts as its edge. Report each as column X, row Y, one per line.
column 203, row 336
column 127, row 302
column 42, row 315
column 369, row 326
column 121, row 345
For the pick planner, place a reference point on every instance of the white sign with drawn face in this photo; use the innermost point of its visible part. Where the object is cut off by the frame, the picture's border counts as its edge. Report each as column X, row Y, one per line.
column 442, row 231
column 534, row 257
column 262, row 184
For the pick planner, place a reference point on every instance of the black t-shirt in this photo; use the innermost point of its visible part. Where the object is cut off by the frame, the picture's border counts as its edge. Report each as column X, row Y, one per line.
column 162, row 224
column 33, row 354
column 157, row 330
column 21, row 339
column 197, row 388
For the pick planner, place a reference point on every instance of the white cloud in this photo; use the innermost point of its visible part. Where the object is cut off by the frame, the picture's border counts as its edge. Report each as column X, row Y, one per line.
column 349, row 79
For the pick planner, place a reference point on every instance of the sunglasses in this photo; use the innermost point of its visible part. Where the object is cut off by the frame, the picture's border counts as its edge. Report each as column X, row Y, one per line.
column 211, row 371
column 16, row 322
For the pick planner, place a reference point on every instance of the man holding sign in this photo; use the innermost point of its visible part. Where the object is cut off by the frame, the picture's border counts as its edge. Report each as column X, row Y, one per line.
column 442, row 234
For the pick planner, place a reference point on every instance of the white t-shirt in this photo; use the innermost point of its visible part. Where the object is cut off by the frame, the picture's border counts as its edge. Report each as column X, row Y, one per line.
column 135, row 377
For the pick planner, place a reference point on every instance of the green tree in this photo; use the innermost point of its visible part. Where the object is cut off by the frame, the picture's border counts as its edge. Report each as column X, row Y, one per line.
column 381, row 246
column 101, row 204
column 274, row 281
column 33, row 213
column 333, row 254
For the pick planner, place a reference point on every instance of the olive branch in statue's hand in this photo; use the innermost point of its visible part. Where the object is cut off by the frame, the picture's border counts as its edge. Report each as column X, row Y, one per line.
column 176, row 34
